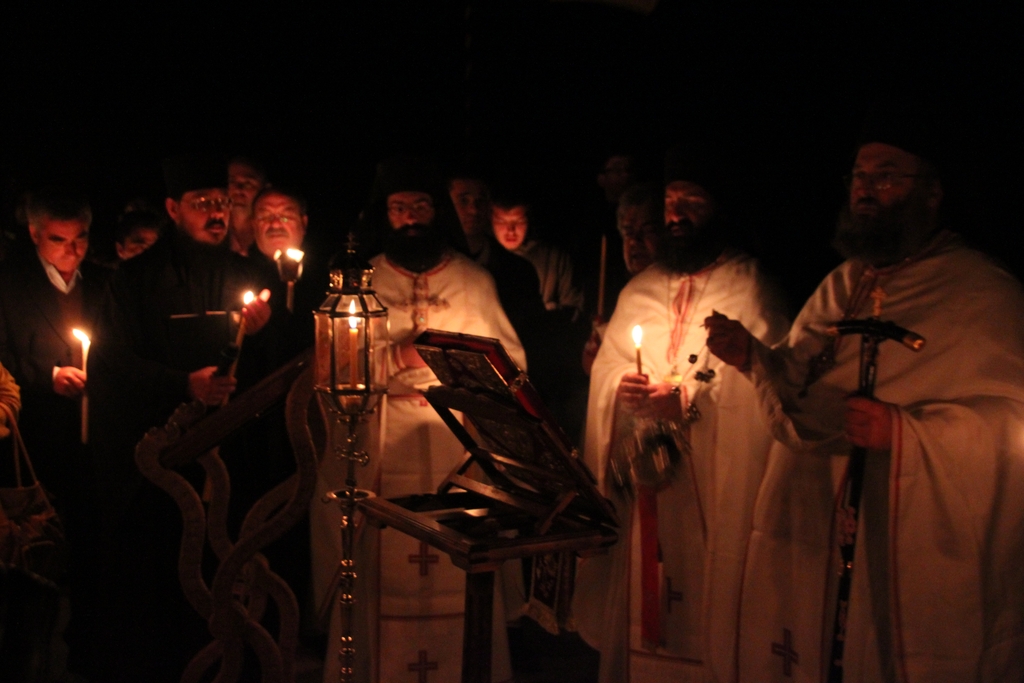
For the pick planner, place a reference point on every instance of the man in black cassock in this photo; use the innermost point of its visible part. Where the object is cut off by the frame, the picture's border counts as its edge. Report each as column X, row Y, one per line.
column 166, row 321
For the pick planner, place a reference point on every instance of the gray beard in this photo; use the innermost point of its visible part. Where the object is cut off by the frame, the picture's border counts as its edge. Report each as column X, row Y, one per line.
column 897, row 232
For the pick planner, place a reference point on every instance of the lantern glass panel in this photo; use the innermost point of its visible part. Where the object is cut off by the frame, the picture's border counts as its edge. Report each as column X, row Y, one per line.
column 324, row 379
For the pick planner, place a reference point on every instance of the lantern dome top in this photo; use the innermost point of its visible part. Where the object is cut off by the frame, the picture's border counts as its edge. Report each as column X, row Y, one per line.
column 349, row 272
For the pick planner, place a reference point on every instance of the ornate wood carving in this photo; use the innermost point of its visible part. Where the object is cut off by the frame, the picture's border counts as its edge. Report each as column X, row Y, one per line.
column 243, row 585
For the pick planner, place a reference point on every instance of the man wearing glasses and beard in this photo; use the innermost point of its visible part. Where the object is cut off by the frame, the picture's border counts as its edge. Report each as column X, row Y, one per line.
column 426, row 282
column 937, row 590
column 165, row 323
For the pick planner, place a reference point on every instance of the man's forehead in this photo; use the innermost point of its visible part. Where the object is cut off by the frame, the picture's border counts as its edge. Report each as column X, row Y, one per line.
column 408, row 196
column 509, row 211
column 278, row 201
column 467, row 186
column 638, row 210
column 208, row 192
column 73, row 227
column 685, row 188
column 617, row 163
column 881, row 154
column 239, row 171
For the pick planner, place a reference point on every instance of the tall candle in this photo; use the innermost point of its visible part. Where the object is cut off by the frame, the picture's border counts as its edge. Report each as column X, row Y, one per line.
column 353, row 344
column 638, row 335
column 84, row 338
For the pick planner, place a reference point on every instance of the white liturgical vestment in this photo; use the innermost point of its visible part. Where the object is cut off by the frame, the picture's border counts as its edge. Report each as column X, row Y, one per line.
column 699, row 524
column 938, row 573
column 409, row 596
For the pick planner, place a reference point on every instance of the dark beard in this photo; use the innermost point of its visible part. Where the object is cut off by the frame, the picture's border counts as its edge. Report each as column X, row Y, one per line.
column 414, row 247
column 691, row 250
column 896, row 232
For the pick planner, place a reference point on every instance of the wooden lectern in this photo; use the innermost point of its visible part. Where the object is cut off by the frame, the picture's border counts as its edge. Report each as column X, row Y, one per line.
column 521, row 491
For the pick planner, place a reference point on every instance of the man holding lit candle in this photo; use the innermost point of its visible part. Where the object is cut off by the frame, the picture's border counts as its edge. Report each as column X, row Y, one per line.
column 166, row 323
column 425, row 283
column 294, row 274
column 678, row 445
column 47, row 290
column 45, row 293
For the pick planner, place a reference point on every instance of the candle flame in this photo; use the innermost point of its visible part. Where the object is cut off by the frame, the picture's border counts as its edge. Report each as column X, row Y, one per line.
column 247, row 299
column 295, row 254
column 353, row 320
column 277, row 255
column 638, row 334
column 80, row 336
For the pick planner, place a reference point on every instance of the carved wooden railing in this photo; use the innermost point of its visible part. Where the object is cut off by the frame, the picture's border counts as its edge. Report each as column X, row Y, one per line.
column 234, row 603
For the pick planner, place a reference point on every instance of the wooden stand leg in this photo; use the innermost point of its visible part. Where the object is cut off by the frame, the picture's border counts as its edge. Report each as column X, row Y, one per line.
column 477, row 632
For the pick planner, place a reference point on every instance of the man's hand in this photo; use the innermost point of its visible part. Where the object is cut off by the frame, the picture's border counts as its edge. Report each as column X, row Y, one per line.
column 868, row 423
column 644, row 399
column 69, row 381
column 729, row 340
column 257, row 313
column 205, row 386
column 408, row 356
column 593, row 345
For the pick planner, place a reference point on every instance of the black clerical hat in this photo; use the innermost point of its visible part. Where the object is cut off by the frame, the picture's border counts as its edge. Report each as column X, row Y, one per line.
column 406, row 174
column 188, row 172
column 911, row 125
column 693, row 163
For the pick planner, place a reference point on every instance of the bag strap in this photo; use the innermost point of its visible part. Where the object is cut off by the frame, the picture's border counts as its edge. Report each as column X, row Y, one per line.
column 18, row 446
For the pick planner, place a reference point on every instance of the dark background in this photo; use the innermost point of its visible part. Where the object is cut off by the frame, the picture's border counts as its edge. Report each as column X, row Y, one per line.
column 525, row 88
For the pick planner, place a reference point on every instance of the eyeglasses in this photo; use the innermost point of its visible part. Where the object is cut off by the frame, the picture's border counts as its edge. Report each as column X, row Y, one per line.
column 876, row 181
column 208, row 204
column 285, row 219
column 418, row 208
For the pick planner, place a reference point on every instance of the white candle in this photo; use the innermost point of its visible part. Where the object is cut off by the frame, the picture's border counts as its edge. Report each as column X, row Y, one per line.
column 84, row 338
column 638, row 335
column 353, row 344
column 246, row 300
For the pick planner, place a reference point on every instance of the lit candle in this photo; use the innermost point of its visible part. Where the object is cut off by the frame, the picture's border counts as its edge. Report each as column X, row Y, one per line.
column 638, row 335
column 246, row 300
column 353, row 344
column 84, row 338
column 289, row 268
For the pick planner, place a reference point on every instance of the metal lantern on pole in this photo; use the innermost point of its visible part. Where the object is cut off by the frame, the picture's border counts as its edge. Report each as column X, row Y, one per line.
column 350, row 377
column 351, row 341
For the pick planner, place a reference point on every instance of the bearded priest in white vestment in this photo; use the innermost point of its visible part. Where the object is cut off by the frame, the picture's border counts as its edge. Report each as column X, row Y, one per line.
column 410, row 599
column 938, row 570
column 662, row 605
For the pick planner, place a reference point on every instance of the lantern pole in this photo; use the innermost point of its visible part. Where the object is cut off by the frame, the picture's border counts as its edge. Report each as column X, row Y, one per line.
column 349, row 400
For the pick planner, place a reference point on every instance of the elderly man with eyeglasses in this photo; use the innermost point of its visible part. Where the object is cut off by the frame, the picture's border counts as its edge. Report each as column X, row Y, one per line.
column 935, row 544
column 167, row 319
